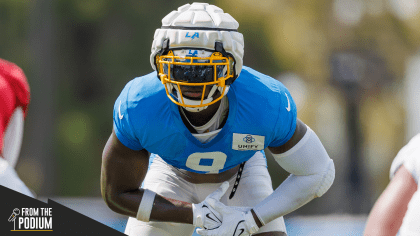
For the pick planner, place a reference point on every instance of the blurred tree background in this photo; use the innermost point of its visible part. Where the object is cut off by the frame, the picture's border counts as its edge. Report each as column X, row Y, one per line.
column 344, row 62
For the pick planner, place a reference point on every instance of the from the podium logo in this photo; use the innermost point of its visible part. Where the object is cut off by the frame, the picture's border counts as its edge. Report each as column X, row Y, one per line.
column 31, row 219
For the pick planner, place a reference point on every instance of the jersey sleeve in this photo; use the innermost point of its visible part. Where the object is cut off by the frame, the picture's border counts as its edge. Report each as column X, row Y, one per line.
column 286, row 120
column 409, row 156
column 122, row 124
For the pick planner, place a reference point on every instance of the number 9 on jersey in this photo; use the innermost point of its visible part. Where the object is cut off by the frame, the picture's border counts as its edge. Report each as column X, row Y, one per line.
column 210, row 162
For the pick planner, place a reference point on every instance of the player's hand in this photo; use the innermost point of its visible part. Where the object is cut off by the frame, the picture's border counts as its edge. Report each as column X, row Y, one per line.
column 204, row 216
column 235, row 222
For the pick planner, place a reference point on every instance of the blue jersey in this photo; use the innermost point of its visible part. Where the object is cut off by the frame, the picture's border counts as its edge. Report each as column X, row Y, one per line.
column 262, row 113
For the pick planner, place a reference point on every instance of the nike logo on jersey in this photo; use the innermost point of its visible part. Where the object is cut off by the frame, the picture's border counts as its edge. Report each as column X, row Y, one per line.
column 288, row 103
column 119, row 112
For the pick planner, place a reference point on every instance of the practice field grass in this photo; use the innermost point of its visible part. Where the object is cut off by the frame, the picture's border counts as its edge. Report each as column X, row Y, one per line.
column 321, row 225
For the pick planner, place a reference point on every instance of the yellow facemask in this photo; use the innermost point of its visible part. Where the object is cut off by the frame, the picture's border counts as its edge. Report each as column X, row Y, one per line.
column 191, row 70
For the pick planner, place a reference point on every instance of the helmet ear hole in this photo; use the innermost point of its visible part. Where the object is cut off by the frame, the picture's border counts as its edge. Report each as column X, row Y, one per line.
column 232, row 65
column 218, row 46
column 165, row 47
column 163, row 51
column 232, row 71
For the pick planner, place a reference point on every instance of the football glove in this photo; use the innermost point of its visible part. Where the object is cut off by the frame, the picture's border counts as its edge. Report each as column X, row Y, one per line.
column 204, row 216
column 235, row 222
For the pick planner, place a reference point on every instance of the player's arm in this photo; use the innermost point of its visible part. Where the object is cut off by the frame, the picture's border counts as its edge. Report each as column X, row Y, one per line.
column 312, row 174
column 388, row 212
column 123, row 171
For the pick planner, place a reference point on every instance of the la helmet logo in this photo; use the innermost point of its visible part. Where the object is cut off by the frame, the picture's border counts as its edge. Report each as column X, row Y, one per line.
column 195, row 35
column 192, row 53
column 31, row 219
column 249, row 139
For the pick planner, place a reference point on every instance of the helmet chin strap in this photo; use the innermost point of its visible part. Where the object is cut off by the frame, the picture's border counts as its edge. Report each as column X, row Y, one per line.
column 196, row 103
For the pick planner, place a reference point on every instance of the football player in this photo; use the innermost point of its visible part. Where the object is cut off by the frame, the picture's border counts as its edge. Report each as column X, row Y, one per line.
column 398, row 207
column 14, row 100
column 187, row 144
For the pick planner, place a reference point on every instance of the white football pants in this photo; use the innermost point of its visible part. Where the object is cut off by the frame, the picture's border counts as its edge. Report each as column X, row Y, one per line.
column 254, row 186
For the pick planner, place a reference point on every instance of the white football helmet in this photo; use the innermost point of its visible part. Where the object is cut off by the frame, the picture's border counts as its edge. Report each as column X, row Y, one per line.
column 197, row 46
